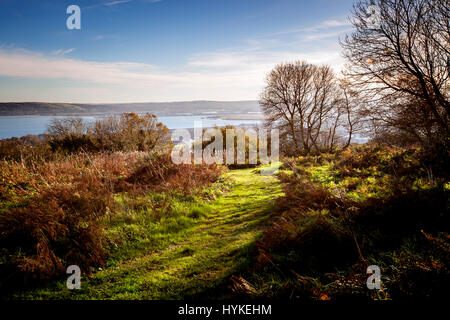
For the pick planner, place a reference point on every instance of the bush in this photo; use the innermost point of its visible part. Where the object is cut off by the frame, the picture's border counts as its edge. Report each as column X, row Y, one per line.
column 54, row 229
column 26, row 149
column 124, row 132
column 129, row 132
column 73, row 144
column 158, row 172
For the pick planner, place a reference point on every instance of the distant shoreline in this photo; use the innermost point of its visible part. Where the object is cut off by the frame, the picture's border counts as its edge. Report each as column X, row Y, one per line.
column 206, row 108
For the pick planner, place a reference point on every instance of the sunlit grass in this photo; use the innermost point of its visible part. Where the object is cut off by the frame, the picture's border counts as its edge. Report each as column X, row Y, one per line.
column 190, row 250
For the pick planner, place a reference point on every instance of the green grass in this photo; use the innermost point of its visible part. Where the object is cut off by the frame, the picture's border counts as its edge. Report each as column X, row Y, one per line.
column 184, row 254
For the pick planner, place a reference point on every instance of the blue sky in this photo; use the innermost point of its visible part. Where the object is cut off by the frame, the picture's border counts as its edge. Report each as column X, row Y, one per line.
column 167, row 50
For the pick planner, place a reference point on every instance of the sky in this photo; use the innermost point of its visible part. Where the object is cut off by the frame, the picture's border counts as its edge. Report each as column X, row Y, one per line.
column 161, row 50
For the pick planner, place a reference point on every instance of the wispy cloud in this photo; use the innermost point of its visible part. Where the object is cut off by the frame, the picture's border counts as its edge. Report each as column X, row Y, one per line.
column 323, row 35
column 324, row 25
column 108, row 4
column 332, row 24
column 113, row 3
column 62, row 52
column 117, row 2
column 225, row 75
column 261, row 61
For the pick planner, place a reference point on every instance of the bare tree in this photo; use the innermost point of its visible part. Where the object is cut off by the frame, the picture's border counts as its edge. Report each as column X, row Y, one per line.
column 303, row 101
column 322, row 114
column 354, row 118
column 60, row 127
column 401, row 63
column 287, row 86
column 129, row 131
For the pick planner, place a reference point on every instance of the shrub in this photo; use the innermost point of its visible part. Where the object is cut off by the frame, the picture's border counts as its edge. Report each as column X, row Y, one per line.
column 73, row 144
column 129, row 132
column 124, row 132
column 54, row 229
column 26, row 149
column 157, row 171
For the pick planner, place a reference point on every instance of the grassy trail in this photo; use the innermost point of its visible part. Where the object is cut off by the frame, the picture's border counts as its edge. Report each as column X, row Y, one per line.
column 202, row 258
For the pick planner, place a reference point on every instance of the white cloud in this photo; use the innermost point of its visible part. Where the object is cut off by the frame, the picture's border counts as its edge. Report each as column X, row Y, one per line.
column 328, row 24
column 334, row 23
column 325, row 35
column 113, row 3
column 107, row 4
column 261, row 60
column 116, row 2
column 62, row 52
column 215, row 76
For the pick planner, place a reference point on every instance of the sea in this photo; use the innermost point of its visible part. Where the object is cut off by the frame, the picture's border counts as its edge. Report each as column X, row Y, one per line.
column 18, row 126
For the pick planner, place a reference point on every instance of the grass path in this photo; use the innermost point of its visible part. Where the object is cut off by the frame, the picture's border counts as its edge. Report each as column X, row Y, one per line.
column 199, row 260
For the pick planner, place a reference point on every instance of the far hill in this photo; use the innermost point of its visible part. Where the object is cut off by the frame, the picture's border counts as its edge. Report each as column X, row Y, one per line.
column 158, row 108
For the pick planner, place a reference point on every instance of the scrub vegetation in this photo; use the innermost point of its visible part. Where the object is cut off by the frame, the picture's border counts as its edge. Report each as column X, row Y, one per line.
column 367, row 205
column 193, row 248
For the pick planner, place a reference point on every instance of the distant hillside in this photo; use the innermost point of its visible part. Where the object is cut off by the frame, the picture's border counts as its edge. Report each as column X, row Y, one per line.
column 158, row 108
column 39, row 108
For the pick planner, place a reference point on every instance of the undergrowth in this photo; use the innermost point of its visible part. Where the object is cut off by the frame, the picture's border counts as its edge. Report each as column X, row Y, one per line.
column 344, row 212
column 68, row 211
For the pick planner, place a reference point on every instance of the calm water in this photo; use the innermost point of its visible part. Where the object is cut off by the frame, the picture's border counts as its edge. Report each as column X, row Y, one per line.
column 18, row 126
